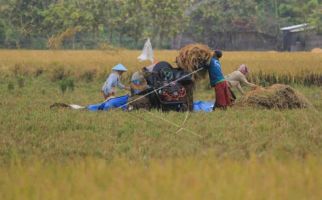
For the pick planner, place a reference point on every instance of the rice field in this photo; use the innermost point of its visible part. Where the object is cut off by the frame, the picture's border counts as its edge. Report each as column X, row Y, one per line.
column 243, row 153
column 79, row 61
column 184, row 178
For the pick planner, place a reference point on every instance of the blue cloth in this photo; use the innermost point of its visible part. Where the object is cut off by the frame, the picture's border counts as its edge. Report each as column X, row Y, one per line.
column 215, row 73
column 117, row 102
column 205, row 106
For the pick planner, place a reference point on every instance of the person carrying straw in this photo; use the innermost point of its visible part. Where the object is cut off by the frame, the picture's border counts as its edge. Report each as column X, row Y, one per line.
column 218, row 82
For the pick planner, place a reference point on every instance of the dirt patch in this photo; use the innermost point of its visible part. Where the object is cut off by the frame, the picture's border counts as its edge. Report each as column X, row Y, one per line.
column 59, row 105
column 276, row 96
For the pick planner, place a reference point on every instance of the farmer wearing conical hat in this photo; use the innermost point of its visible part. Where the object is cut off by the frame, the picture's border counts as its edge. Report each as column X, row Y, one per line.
column 239, row 76
column 113, row 80
column 218, row 82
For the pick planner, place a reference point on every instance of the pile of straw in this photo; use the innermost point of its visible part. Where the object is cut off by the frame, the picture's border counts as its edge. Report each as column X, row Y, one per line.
column 316, row 50
column 193, row 57
column 277, row 96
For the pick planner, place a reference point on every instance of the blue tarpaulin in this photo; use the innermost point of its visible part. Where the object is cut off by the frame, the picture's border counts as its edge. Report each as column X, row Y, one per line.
column 120, row 102
column 117, row 102
column 205, row 106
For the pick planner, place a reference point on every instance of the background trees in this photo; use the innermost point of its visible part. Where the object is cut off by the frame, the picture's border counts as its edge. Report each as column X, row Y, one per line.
column 126, row 23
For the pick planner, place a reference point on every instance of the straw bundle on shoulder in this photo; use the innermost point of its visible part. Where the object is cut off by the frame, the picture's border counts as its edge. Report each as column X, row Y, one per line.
column 193, row 57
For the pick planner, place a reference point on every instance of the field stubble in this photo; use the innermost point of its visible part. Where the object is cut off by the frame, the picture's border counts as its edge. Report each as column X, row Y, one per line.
column 244, row 153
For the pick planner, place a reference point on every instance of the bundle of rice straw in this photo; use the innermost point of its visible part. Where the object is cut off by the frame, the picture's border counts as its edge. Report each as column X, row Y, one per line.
column 193, row 57
column 316, row 50
column 276, row 96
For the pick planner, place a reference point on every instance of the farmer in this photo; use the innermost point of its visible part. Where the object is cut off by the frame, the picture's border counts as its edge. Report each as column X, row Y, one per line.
column 218, row 82
column 239, row 76
column 138, row 83
column 113, row 80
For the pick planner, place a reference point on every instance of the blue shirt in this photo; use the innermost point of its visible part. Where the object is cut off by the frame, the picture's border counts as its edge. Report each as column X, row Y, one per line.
column 215, row 73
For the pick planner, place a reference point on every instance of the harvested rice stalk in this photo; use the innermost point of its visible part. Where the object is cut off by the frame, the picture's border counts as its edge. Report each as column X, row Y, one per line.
column 276, row 96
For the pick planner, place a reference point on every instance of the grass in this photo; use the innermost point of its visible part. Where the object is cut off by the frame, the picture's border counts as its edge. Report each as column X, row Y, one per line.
column 244, row 153
column 183, row 178
column 30, row 128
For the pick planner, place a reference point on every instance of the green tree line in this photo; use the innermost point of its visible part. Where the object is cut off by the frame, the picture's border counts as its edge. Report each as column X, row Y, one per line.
column 45, row 24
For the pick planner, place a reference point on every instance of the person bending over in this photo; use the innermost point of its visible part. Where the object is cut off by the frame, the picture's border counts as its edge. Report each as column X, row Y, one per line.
column 113, row 80
column 238, row 77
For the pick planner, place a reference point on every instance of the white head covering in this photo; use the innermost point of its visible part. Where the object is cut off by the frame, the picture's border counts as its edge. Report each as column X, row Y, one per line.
column 243, row 69
column 137, row 76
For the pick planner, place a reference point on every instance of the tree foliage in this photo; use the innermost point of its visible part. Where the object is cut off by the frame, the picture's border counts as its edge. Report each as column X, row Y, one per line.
column 31, row 23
